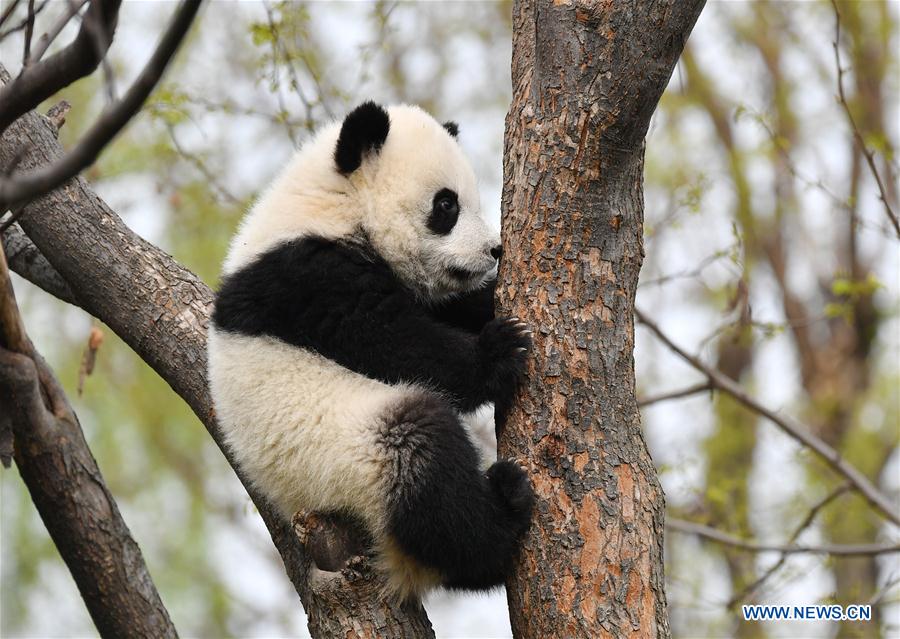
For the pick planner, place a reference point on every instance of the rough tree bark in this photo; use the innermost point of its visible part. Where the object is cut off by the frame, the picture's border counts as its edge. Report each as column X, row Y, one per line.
column 161, row 310
column 586, row 78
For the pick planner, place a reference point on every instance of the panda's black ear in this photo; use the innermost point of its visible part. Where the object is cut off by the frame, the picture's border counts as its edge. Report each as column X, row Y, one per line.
column 452, row 128
column 364, row 130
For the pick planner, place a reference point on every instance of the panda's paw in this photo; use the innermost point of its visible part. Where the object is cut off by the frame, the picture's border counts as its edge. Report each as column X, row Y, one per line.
column 504, row 344
column 511, row 483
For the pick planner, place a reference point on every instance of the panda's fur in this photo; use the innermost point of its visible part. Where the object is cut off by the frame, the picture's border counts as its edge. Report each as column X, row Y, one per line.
column 353, row 327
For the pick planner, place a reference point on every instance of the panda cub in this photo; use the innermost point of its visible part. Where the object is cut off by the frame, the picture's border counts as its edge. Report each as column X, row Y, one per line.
column 353, row 327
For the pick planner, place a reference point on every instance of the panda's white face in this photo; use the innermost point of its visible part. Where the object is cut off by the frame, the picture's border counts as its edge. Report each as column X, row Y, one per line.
column 407, row 186
column 422, row 208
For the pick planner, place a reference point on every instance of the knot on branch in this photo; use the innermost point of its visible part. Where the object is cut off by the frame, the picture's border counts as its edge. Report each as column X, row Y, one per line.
column 57, row 115
column 347, row 593
column 340, row 552
column 331, row 540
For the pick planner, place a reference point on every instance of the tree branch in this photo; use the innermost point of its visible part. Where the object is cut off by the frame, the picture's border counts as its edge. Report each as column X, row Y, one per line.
column 29, row 33
column 39, row 81
column 44, row 42
column 23, row 25
column 20, row 188
column 842, row 550
column 26, row 260
column 161, row 310
column 791, row 427
column 678, row 394
column 806, row 523
column 857, row 135
column 69, row 491
column 8, row 11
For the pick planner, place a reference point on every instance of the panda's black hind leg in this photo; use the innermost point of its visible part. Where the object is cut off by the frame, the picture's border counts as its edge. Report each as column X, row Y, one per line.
column 442, row 509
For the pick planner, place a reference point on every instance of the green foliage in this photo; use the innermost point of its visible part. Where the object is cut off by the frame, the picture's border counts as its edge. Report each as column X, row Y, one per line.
column 848, row 293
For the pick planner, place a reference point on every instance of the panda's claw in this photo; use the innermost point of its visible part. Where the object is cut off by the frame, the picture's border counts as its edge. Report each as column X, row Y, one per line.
column 504, row 343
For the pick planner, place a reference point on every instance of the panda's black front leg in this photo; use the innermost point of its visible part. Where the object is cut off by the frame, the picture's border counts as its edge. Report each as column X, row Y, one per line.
column 470, row 311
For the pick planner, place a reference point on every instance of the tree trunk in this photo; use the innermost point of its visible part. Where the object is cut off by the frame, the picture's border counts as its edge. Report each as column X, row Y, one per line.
column 586, row 79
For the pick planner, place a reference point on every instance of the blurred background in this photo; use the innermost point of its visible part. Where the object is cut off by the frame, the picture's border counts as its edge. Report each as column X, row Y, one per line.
column 768, row 253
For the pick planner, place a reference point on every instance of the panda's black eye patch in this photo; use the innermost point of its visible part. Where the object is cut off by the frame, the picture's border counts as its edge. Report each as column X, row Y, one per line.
column 444, row 212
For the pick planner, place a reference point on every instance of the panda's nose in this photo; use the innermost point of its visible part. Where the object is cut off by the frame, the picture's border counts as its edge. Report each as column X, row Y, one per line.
column 496, row 252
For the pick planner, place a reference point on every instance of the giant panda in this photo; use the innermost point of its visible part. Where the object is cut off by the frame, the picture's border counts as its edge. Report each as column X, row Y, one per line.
column 353, row 326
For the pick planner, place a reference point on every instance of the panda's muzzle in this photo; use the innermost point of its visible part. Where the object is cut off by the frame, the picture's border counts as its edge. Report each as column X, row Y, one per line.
column 464, row 274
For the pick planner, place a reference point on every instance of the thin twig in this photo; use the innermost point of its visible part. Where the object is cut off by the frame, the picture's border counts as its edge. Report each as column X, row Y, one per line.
column 867, row 153
column 276, row 51
column 678, row 394
column 24, row 23
column 842, row 550
column 47, row 39
column 790, row 426
column 200, row 165
column 691, row 273
column 8, row 11
column 24, row 187
column 102, row 39
column 801, row 527
column 880, row 595
column 29, row 33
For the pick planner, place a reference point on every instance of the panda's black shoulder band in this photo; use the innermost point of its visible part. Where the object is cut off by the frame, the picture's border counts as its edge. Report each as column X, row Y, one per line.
column 346, row 304
column 364, row 130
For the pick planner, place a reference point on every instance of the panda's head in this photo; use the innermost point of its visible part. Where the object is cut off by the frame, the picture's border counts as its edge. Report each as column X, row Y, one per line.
column 418, row 197
column 394, row 178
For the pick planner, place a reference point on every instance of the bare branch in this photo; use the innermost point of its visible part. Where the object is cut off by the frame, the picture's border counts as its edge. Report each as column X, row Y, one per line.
column 47, row 39
column 791, row 427
column 26, row 260
column 21, row 188
column 857, row 135
column 8, row 11
column 39, row 81
column 29, row 33
column 12, row 332
column 684, row 392
column 57, row 114
column 200, row 165
column 806, row 523
column 24, row 23
column 102, row 39
column 842, row 550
